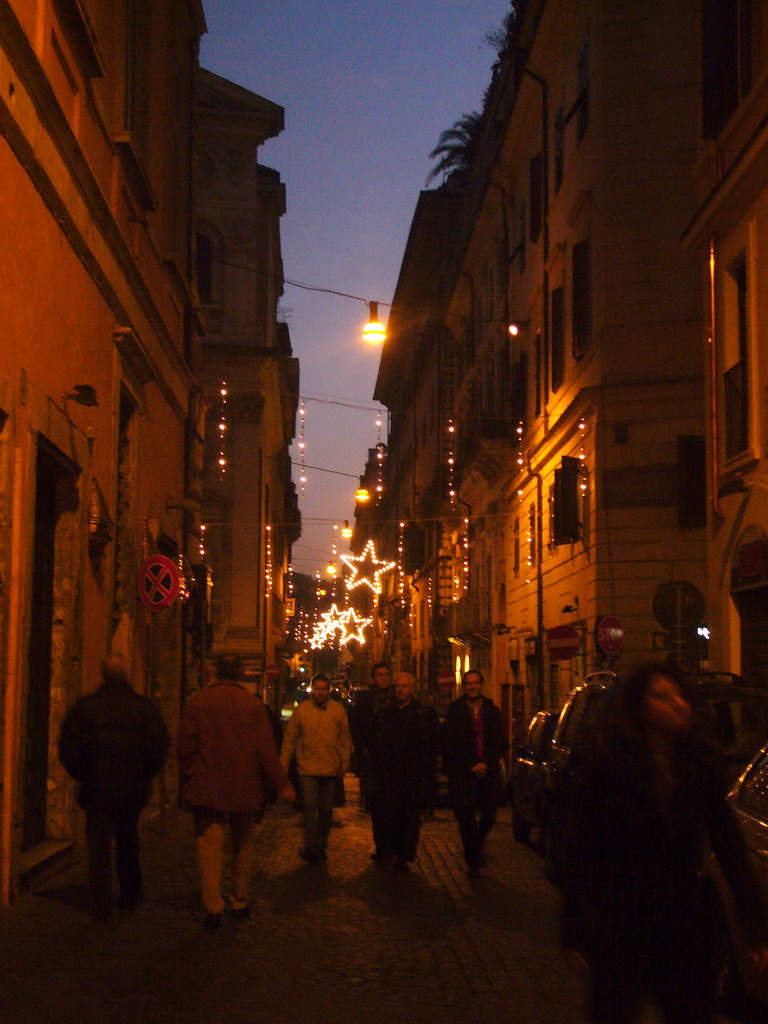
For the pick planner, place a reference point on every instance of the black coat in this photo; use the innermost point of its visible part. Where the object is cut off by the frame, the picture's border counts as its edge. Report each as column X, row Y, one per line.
column 459, row 749
column 113, row 742
column 633, row 881
column 404, row 745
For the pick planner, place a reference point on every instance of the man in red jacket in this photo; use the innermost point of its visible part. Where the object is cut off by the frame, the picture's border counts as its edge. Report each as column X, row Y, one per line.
column 225, row 748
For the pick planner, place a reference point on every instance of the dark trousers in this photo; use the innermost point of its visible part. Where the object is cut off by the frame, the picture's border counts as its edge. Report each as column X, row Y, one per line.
column 100, row 828
column 317, row 795
column 395, row 805
column 475, row 803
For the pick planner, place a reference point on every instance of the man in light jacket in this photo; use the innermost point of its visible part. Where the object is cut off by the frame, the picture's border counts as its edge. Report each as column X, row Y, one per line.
column 318, row 737
column 226, row 749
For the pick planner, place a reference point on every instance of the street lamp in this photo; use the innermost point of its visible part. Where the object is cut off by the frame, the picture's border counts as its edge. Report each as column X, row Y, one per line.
column 374, row 332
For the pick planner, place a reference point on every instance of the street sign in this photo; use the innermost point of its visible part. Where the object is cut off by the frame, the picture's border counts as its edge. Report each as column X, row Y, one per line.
column 610, row 634
column 563, row 642
column 272, row 672
column 445, row 678
column 678, row 604
column 158, row 583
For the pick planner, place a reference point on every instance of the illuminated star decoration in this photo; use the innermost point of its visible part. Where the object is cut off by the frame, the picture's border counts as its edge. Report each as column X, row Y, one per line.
column 347, row 624
column 367, row 569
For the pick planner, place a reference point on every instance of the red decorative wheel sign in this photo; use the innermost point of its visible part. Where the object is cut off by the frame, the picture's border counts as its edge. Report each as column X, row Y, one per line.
column 158, row 583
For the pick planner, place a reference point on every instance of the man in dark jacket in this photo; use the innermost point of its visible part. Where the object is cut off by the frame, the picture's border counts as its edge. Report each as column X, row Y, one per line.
column 363, row 718
column 403, row 761
column 113, row 743
column 473, row 743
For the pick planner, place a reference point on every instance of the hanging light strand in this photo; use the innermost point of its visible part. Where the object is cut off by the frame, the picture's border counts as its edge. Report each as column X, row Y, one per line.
column 302, row 448
column 452, row 461
column 221, row 460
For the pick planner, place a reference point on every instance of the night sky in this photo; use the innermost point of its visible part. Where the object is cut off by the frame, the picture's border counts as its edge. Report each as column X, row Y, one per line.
column 367, row 88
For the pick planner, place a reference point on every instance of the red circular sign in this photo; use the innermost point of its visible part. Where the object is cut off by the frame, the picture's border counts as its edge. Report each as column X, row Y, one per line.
column 158, row 583
column 563, row 642
column 610, row 634
column 445, row 678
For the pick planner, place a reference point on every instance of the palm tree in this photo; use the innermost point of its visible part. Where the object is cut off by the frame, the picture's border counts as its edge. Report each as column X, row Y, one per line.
column 454, row 148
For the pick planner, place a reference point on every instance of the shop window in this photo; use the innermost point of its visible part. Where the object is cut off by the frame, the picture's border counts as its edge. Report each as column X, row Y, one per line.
column 736, row 375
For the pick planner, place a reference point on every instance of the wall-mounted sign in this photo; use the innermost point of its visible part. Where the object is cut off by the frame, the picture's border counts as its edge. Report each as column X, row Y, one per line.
column 158, row 583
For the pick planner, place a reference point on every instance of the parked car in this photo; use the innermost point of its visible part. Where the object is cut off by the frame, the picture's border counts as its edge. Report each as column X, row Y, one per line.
column 564, row 773
column 735, row 716
column 745, row 989
column 526, row 782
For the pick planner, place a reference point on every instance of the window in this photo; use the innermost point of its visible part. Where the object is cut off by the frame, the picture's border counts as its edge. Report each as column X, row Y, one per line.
column 582, row 323
column 753, row 794
column 557, row 329
column 204, row 269
column 736, row 376
column 582, row 102
column 516, row 547
column 536, row 198
column 730, row 58
column 559, row 158
column 521, row 244
column 541, row 373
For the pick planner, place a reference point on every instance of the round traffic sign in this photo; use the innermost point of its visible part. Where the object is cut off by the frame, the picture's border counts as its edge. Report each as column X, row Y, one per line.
column 158, row 583
column 610, row 634
column 563, row 642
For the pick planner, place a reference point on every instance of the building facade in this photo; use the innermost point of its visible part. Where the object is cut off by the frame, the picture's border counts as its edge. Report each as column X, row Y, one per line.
column 728, row 235
column 251, row 381
column 99, row 409
column 553, row 452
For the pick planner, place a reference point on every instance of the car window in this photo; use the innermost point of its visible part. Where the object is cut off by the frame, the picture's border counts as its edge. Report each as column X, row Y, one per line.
column 738, row 724
column 753, row 793
column 573, row 718
column 534, row 735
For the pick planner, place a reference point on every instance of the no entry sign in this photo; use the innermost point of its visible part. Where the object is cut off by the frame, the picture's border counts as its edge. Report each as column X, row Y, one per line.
column 563, row 642
column 158, row 583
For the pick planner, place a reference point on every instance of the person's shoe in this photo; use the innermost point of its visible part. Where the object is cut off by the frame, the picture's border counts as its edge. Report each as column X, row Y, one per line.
column 211, row 922
column 240, row 913
column 399, row 864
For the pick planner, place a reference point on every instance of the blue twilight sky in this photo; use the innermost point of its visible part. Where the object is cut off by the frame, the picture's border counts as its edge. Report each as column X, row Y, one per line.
column 367, row 87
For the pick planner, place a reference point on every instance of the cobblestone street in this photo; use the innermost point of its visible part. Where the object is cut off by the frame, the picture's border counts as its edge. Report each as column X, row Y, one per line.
column 343, row 942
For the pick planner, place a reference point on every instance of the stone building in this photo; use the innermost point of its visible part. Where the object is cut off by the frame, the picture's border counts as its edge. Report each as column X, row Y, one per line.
column 728, row 235
column 251, row 381
column 555, row 469
column 99, row 411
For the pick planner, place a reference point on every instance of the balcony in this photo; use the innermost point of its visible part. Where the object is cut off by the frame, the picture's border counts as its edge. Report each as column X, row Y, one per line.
column 487, row 445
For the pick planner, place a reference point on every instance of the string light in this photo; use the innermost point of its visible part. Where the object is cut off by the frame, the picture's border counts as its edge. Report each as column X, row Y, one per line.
column 451, row 461
column 302, row 447
column 222, row 429
column 268, row 562
column 400, row 569
column 466, row 555
column 520, row 457
column 201, row 547
column 376, row 568
column 379, row 456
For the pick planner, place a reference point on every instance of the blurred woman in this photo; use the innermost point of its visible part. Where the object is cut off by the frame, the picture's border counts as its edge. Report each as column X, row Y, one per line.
column 637, row 913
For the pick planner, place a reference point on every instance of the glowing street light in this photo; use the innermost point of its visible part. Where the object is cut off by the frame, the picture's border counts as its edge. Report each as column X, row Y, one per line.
column 374, row 332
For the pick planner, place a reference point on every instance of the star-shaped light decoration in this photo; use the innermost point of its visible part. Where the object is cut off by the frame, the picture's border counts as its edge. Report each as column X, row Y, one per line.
column 347, row 624
column 367, row 569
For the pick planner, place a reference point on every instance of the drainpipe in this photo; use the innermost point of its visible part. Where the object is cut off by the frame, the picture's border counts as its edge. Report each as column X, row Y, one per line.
column 12, row 710
column 539, row 567
column 713, row 410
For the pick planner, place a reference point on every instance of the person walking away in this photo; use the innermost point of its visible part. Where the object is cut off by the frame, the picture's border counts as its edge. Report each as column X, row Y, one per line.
column 226, row 750
column 404, row 756
column 318, row 737
column 473, row 744
column 113, row 742
column 638, row 919
column 365, row 712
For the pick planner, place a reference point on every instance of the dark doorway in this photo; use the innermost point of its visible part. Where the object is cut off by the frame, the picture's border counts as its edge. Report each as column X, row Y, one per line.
column 55, row 491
